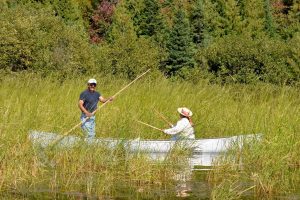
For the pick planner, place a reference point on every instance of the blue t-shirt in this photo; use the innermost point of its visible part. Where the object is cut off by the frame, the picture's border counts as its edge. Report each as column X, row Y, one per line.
column 90, row 100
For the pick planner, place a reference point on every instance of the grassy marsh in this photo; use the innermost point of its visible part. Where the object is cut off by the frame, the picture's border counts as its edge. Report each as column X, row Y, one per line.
column 29, row 102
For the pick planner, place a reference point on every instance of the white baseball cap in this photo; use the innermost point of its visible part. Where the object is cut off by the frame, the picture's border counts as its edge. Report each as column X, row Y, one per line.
column 92, row 80
column 185, row 112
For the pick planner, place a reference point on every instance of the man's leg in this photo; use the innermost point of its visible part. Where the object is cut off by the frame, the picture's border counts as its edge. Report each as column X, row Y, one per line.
column 92, row 132
column 88, row 126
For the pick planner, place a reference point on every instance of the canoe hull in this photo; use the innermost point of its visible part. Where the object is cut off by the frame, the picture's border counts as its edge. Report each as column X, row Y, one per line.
column 44, row 139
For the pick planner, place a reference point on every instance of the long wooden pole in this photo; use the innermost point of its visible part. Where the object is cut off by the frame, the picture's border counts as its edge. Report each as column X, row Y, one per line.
column 140, row 76
column 163, row 117
column 149, row 125
column 93, row 113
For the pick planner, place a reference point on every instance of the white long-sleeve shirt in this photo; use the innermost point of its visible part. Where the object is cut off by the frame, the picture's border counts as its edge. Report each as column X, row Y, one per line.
column 183, row 129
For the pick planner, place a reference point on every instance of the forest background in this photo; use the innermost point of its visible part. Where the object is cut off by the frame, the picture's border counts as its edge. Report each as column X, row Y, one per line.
column 223, row 41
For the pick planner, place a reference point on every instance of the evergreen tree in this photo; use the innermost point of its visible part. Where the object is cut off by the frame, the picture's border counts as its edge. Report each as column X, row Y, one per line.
column 122, row 25
column 149, row 20
column 234, row 17
column 197, row 23
column 129, row 54
column 294, row 19
column 286, row 16
column 269, row 26
column 229, row 12
column 180, row 45
column 212, row 21
column 253, row 21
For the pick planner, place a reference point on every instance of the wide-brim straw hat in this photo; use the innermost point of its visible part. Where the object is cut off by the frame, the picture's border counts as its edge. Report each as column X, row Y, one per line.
column 185, row 112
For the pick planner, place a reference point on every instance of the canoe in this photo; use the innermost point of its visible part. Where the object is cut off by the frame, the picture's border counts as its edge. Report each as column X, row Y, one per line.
column 216, row 145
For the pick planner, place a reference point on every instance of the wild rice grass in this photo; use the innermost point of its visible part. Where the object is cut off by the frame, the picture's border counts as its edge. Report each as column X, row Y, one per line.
column 30, row 102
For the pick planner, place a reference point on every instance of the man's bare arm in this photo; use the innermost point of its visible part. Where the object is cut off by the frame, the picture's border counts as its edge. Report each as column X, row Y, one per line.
column 103, row 100
column 80, row 105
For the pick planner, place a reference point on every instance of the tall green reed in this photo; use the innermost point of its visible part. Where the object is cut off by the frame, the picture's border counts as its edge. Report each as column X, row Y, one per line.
column 270, row 165
column 31, row 102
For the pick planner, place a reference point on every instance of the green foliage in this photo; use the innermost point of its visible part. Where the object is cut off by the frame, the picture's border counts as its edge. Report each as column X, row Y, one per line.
column 270, row 164
column 67, row 9
column 223, row 18
column 253, row 18
column 180, row 47
column 293, row 60
column 287, row 16
column 229, row 12
column 34, row 39
column 54, row 35
column 149, row 21
column 244, row 60
column 3, row 4
column 212, row 21
column 197, row 23
column 269, row 25
column 126, row 54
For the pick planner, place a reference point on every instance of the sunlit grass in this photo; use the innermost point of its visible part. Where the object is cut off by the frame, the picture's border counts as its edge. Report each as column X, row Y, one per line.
column 29, row 102
column 270, row 167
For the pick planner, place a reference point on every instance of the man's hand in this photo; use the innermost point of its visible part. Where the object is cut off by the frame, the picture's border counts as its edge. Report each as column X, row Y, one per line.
column 88, row 114
column 110, row 98
column 104, row 100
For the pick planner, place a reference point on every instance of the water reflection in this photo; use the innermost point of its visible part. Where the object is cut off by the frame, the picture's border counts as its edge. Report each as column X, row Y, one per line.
column 196, row 159
column 186, row 177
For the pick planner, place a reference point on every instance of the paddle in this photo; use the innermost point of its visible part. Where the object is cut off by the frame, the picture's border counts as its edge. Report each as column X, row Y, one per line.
column 163, row 117
column 150, row 125
column 93, row 113
column 159, row 128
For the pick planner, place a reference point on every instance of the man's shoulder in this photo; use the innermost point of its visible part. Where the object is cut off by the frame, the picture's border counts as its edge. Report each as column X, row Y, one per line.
column 85, row 92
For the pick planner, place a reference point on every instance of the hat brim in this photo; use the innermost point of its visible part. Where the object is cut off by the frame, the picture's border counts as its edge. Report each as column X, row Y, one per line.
column 180, row 112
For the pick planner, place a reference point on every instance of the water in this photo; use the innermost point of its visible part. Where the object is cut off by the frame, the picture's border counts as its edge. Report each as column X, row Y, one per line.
column 196, row 188
column 189, row 183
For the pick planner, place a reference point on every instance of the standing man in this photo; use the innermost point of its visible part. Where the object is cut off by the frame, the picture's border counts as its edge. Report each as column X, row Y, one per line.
column 184, row 127
column 88, row 102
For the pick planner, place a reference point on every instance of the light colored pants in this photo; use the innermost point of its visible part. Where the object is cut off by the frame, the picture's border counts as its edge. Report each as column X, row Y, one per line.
column 88, row 126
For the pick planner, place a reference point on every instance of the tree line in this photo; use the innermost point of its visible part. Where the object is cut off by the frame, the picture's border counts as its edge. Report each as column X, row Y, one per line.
column 224, row 41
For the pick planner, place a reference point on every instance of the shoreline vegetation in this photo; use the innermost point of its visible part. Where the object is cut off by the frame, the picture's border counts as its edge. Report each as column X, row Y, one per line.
column 184, row 40
column 30, row 102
